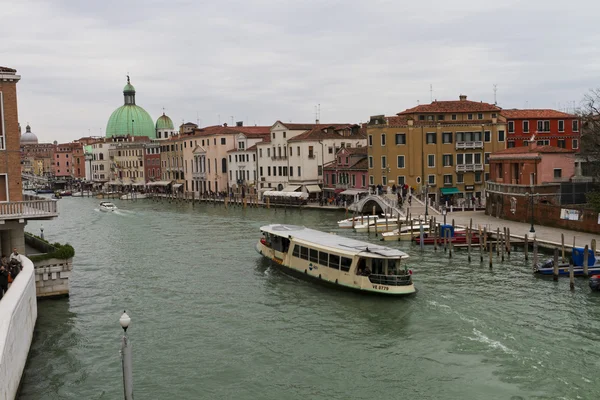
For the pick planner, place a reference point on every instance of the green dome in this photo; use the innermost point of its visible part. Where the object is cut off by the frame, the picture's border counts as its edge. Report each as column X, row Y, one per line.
column 130, row 119
column 164, row 122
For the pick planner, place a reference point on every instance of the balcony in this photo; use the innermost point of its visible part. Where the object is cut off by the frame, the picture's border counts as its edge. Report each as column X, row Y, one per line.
column 342, row 185
column 469, row 167
column 279, row 158
column 469, row 145
column 199, row 175
column 33, row 207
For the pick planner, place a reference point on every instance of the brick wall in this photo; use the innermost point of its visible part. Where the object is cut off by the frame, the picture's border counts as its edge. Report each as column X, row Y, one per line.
column 10, row 159
column 499, row 205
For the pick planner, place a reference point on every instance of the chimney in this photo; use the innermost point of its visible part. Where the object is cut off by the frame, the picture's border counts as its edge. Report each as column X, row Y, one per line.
column 225, row 124
column 463, row 97
column 317, row 121
column 239, row 123
column 532, row 144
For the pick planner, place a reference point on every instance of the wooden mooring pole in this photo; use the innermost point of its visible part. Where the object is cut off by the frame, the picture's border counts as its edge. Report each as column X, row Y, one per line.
column 585, row 261
column 508, row 246
column 562, row 243
column 571, row 275
column 535, row 252
column 526, row 246
column 497, row 241
column 480, row 245
column 555, row 266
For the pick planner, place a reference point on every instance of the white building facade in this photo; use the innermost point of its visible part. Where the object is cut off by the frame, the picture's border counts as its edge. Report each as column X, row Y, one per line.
column 294, row 158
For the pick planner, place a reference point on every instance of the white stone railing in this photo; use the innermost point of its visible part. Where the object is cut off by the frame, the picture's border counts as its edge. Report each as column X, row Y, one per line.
column 18, row 313
column 469, row 145
column 29, row 208
column 469, row 167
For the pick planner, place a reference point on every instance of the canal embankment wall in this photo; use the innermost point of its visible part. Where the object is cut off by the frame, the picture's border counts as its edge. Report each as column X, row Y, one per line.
column 52, row 274
column 18, row 314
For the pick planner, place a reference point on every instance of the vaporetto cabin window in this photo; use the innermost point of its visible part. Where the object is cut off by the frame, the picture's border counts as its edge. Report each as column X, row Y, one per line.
column 333, row 261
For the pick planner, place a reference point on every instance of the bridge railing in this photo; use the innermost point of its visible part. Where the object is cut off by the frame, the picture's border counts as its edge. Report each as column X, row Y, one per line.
column 32, row 207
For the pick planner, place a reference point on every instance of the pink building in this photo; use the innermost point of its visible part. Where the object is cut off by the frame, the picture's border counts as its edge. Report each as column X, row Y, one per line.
column 532, row 164
column 348, row 172
column 63, row 160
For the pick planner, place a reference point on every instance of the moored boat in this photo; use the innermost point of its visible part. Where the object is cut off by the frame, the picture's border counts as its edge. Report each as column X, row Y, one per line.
column 107, row 206
column 595, row 283
column 351, row 222
column 547, row 267
column 336, row 260
column 133, row 196
column 404, row 233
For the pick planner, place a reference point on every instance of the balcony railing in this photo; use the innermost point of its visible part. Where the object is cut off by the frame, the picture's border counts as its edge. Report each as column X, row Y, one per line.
column 469, row 145
column 342, row 185
column 279, row 158
column 199, row 175
column 469, row 167
column 33, row 207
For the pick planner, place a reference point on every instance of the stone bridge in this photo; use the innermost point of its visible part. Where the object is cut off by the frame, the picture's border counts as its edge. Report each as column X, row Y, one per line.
column 34, row 178
column 382, row 204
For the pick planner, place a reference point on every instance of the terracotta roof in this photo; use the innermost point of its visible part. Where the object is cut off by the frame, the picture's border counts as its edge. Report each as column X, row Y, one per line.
column 536, row 149
column 357, row 150
column 451, row 106
column 6, row 69
column 294, row 126
column 251, row 148
column 402, row 121
column 535, row 113
column 361, row 164
column 321, row 132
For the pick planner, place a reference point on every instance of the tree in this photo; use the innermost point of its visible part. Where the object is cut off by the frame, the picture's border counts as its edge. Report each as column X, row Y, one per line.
column 590, row 132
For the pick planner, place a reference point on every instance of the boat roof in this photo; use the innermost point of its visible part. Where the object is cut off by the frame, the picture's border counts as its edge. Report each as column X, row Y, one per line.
column 341, row 243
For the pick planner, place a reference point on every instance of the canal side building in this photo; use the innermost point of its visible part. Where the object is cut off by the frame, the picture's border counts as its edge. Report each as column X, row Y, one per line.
column 550, row 127
column 441, row 148
column 348, row 172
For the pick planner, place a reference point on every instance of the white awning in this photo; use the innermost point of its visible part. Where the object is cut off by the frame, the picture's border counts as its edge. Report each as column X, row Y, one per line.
column 159, row 183
column 353, row 192
column 292, row 188
column 313, row 188
column 273, row 193
column 115, row 183
column 177, row 185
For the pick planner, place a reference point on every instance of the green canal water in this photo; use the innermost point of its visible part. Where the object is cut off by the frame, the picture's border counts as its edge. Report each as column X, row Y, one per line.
column 213, row 320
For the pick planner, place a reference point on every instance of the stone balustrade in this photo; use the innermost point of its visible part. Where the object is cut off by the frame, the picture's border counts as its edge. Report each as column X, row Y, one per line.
column 52, row 277
column 33, row 207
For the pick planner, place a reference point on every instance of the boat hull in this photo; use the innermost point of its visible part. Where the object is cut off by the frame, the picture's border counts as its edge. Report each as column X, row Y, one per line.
column 313, row 275
column 453, row 240
column 563, row 269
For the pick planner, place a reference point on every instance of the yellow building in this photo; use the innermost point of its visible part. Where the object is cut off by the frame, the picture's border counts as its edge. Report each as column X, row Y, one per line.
column 440, row 148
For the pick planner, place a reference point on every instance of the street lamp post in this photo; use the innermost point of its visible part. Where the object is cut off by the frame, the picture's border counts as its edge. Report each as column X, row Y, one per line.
column 126, row 358
column 532, row 230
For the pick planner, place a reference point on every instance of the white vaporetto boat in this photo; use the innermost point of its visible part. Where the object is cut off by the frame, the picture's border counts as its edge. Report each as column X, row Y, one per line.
column 107, row 206
column 336, row 260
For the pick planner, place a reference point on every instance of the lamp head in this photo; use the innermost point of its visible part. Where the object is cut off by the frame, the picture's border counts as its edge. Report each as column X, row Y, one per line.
column 124, row 321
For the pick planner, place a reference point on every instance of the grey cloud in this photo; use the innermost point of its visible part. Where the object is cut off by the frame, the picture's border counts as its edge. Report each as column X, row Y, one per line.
column 265, row 60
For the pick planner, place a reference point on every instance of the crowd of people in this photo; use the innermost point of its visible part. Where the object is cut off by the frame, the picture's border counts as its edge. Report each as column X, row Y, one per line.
column 10, row 267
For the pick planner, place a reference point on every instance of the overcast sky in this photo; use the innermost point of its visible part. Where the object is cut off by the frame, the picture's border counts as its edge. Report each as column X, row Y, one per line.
column 264, row 60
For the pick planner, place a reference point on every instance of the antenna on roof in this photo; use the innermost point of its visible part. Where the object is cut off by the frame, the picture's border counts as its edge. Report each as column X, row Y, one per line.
column 495, row 90
column 431, row 92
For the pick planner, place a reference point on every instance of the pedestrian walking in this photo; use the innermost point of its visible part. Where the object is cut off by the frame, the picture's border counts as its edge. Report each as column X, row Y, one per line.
column 3, row 280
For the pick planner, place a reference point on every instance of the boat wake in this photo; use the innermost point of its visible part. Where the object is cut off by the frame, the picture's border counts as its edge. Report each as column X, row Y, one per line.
column 494, row 344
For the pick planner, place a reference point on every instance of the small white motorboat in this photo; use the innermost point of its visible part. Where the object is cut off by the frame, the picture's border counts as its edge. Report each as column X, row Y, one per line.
column 347, row 223
column 107, row 206
column 405, row 232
